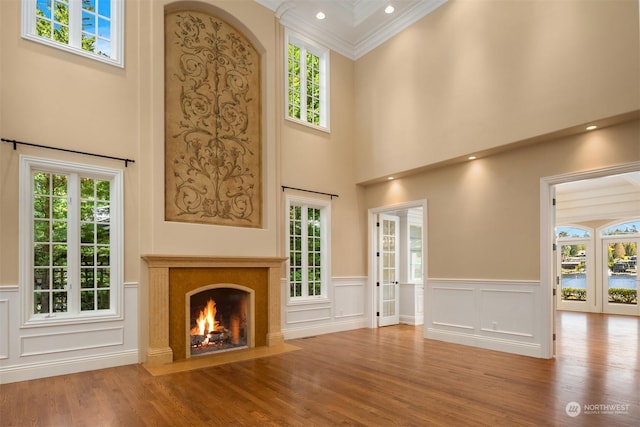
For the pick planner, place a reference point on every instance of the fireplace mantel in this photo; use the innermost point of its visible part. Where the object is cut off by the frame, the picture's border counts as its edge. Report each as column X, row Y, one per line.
column 159, row 351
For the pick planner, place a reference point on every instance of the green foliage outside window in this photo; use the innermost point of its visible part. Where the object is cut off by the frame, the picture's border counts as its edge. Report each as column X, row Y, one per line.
column 51, row 249
column 303, row 87
column 52, row 22
column 309, row 218
column 616, row 295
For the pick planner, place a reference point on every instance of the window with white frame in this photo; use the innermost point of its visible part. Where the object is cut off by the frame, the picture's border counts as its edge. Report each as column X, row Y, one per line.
column 71, row 240
column 91, row 28
column 307, row 81
column 308, row 225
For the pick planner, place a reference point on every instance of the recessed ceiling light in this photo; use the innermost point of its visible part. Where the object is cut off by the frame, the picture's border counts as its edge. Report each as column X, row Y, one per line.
column 389, row 9
column 320, row 15
column 390, row 178
column 592, row 127
column 472, row 157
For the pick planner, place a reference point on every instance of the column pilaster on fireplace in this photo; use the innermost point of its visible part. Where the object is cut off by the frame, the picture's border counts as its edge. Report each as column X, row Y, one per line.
column 274, row 334
column 159, row 351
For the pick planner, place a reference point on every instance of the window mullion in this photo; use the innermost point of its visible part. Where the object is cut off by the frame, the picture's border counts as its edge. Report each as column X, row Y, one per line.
column 75, row 23
column 303, row 84
column 305, row 250
column 73, row 237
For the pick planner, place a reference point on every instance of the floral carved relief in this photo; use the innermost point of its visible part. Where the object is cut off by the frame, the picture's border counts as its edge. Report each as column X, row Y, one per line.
column 212, row 122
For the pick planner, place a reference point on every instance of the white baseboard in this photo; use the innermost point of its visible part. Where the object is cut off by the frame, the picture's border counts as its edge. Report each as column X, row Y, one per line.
column 412, row 320
column 515, row 347
column 327, row 328
column 27, row 372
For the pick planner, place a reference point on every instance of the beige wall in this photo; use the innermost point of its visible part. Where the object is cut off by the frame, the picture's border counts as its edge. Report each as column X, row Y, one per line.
column 479, row 74
column 484, row 215
column 58, row 99
column 322, row 161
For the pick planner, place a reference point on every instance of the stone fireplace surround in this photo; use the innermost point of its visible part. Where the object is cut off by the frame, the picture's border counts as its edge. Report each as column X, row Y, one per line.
column 172, row 276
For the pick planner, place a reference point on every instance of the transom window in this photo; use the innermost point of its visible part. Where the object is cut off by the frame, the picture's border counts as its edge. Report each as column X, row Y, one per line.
column 308, row 247
column 71, row 239
column 307, row 81
column 91, row 28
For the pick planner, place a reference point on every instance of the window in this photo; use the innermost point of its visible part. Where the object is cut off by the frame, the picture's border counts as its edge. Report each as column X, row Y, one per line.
column 307, row 84
column 91, row 28
column 308, row 247
column 71, row 240
column 415, row 253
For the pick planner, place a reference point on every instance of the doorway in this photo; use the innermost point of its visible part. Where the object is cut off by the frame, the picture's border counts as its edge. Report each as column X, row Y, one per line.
column 549, row 217
column 396, row 264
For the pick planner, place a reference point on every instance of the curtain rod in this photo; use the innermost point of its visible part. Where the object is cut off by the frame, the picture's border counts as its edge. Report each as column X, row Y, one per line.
column 15, row 143
column 284, row 187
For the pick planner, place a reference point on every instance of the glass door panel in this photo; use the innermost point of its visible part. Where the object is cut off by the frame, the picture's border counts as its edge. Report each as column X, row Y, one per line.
column 620, row 293
column 575, row 272
column 388, row 261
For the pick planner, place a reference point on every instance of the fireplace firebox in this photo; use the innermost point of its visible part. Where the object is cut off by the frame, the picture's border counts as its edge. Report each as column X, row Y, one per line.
column 219, row 318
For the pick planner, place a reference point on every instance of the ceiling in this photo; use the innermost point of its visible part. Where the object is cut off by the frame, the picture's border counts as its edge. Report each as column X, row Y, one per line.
column 350, row 27
column 598, row 199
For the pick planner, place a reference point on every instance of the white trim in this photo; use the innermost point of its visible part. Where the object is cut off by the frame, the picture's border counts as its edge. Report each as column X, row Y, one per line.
column 25, row 372
column 32, row 341
column 489, row 343
column 327, row 328
column 324, row 55
column 470, row 312
column 357, row 44
column 371, row 297
column 27, row 165
column 28, row 32
column 325, row 254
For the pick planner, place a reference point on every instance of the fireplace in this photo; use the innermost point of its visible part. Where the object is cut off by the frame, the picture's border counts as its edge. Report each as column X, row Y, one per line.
column 174, row 279
column 219, row 318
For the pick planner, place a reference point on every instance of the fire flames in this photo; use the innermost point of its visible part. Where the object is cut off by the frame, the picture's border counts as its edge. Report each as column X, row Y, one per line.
column 210, row 334
column 206, row 321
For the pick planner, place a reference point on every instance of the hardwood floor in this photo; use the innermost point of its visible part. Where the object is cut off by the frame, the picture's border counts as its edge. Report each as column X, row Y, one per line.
column 370, row 377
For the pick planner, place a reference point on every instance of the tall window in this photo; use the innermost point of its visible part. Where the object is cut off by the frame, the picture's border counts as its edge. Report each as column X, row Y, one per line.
column 308, row 247
column 92, row 28
column 71, row 239
column 307, row 81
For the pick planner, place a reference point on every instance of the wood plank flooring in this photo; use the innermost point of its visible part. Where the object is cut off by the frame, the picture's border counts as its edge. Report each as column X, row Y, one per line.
column 369, row 377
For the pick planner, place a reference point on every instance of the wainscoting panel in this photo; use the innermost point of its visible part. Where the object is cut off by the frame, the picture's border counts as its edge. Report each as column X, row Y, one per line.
column 49, row 350
column 342, row 310
column 307, row 314
column 455, row 308
column 508, row 312
column 500, row 315
column 348, row 294
column 49, row 343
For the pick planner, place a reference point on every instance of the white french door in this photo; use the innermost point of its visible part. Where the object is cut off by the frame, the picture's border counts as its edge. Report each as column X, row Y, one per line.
column 576, row 288
column 620, row 283
column 388, row 258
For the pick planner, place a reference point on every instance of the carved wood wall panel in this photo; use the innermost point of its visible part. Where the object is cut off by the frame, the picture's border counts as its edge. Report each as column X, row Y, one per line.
column 213, row 169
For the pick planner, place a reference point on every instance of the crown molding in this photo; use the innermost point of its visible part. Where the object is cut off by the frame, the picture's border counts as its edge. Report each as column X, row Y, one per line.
column 356, row 27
